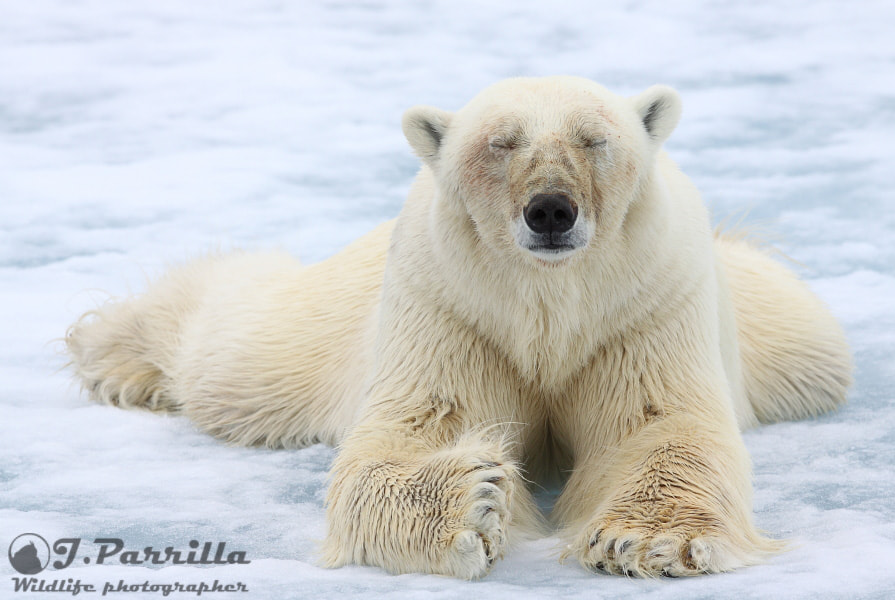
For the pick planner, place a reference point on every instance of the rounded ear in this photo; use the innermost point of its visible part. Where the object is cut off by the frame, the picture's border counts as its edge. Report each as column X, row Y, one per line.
column 425, row 127
column 659, row 108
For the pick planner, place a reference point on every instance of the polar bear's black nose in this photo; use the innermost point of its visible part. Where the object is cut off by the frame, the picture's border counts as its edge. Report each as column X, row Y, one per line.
column 550, row 213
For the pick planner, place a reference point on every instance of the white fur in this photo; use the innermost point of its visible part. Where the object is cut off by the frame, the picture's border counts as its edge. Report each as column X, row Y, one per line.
column 446, row 359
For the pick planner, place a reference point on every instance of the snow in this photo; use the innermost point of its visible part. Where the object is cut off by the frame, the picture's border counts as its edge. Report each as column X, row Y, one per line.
column 137, row 134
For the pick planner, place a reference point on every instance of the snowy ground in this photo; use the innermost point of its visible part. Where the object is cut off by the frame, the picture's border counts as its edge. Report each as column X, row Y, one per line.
column 135, row 134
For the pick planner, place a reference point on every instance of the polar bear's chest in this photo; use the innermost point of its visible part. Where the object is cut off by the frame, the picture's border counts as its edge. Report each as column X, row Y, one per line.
column 547, row 342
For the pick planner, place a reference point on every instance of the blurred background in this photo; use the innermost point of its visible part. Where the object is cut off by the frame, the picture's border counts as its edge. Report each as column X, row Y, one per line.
column 137, row 134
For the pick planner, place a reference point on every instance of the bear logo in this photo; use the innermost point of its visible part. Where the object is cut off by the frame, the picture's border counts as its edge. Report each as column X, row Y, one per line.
column 29, row 554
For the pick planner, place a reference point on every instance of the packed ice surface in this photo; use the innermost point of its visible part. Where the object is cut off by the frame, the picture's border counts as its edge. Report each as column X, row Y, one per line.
column 137, row 134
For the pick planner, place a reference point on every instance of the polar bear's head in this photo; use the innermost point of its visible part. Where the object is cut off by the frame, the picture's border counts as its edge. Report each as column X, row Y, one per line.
column 543, row 167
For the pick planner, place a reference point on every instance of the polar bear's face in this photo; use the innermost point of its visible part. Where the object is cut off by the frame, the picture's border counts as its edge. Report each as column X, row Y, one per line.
column 544, row 168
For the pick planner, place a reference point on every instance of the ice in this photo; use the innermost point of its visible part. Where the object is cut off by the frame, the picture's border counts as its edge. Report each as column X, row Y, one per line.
column 137, row 134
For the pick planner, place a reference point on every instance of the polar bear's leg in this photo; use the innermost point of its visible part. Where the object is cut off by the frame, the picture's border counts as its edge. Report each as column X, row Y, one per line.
column 408, row 508
column 673, row 500
column 253, row 347
column 795, row 358
column 124, row 351
column 661, row 480
column 427, row 480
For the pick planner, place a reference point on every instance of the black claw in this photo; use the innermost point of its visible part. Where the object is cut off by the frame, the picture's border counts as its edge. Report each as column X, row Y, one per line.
column 495, row 479
column 489, row 554
column 485, row 493
column 596, row 538
column 625, row 545
column 610, row 549
column 486, row 465
column 665, row 573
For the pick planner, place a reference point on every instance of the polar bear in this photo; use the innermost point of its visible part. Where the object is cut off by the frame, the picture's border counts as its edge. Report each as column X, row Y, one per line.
column 550, row 305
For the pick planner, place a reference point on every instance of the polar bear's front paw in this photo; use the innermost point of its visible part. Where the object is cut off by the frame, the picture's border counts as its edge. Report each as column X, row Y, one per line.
column 658, row 546
column 477, row 520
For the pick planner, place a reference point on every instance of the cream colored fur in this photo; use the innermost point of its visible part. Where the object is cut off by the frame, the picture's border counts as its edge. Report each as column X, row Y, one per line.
column 450, row 361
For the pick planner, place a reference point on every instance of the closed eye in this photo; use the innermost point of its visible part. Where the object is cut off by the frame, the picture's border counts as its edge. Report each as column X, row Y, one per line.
column 588, row 136
column 503, row 143
column 593, row 142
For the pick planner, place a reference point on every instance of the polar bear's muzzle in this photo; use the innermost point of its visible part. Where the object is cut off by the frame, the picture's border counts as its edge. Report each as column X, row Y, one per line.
column 550, row 228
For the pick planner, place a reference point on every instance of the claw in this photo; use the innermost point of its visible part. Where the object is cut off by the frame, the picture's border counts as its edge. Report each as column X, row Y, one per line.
column 596, row 538
column 688, row 561
column 485, row 465
column 486, row 491
column 610, row 550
